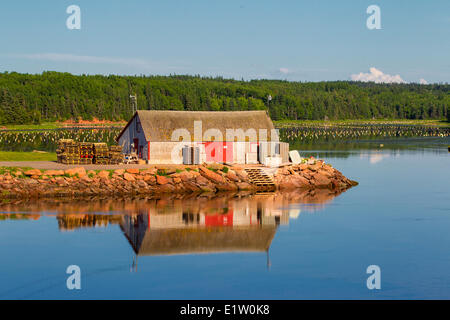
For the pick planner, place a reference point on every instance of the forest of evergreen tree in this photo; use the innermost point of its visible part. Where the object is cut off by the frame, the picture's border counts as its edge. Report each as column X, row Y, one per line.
column 54, row 96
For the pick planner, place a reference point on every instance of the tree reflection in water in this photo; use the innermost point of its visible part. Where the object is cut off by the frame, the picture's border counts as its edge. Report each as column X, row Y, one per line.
column 190, row 224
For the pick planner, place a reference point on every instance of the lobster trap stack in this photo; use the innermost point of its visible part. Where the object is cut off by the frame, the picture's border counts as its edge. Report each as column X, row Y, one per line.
column 115, row 154
column 101, row 153
column 72, row 152
column 86, row 153
column 61, row 154
column 68, row 152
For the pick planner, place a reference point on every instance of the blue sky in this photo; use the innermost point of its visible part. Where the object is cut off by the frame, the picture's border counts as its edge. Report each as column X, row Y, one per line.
column 250, row 39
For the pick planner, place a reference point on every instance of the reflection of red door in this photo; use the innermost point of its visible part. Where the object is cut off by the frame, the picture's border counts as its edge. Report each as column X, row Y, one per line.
column 219, row 220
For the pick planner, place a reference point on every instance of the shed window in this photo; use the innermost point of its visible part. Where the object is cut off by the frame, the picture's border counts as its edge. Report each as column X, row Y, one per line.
column 138, row 125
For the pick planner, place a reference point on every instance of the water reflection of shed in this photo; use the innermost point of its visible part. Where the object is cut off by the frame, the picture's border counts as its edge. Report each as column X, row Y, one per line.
column 205, row 226
column 199, row 240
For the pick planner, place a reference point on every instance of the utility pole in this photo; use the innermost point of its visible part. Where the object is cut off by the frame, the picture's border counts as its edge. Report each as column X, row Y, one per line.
column 133, row 99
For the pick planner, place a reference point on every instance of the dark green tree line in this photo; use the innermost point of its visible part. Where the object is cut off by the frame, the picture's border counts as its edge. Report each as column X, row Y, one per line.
column 51, row 96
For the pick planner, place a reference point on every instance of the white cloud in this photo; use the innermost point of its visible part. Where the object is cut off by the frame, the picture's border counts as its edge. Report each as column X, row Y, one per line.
column 284, row 70
column 376, row 76
column 423, row 81
column 62, row 57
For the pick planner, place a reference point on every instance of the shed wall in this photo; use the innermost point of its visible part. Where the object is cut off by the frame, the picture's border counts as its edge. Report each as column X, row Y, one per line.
column 161, row 152
column 284, row 151
column 133, row 131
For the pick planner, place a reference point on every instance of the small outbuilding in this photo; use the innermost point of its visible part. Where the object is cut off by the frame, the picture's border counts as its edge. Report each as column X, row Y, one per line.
column 191, row 137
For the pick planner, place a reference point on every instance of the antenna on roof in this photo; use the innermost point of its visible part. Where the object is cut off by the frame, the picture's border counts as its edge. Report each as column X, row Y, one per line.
column 269, row 98
column 133, row 99
column 134, row 265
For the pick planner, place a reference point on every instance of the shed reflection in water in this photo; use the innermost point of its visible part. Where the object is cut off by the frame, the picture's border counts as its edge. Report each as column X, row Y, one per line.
column 182, row 225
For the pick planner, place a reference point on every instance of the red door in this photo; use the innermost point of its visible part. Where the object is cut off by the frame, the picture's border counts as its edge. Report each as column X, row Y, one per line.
column 219, row 151
column 227, row 152
column 213, row 151
column 136, row 144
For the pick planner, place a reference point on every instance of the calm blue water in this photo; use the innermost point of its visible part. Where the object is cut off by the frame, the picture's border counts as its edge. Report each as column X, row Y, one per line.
column 397, row 218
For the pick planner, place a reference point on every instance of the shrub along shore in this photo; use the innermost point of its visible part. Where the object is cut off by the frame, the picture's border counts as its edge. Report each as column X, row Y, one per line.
column 18, row 182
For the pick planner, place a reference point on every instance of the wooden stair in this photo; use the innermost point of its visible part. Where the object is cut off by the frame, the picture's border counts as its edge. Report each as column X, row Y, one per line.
column 260, row 178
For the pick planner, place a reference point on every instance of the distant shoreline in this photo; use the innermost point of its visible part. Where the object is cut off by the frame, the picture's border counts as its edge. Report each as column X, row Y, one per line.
column 321, row 123
column 278, row 124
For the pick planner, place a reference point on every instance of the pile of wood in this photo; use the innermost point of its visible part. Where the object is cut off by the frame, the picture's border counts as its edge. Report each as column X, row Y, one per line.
column 72, row 152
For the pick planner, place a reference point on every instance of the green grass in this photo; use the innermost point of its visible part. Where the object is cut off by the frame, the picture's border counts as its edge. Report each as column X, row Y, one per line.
column 56, row 125
column 161, row 172
column 27, row 156
column 4, row 170
column 42, row 126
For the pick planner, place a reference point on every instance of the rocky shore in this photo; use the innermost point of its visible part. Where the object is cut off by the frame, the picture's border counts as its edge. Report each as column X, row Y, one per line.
column 78, row 182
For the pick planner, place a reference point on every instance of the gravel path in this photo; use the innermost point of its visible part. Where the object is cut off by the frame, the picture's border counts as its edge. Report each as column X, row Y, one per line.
column 53, row 165
column 46, row 165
